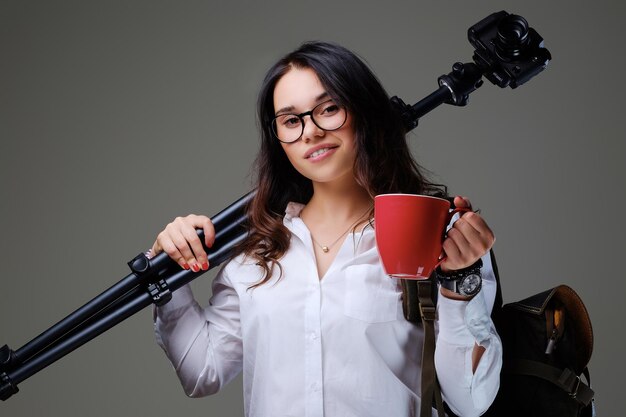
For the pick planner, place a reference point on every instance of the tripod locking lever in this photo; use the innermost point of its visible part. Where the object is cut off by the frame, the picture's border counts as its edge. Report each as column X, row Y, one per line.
column 157, row 288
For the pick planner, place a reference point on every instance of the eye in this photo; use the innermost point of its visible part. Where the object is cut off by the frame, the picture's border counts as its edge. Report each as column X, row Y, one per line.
column 289, row 120
column 328, row 109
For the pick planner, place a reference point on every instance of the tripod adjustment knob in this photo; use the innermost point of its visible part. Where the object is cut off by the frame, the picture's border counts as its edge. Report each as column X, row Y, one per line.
column 458, row 69
column 157, row 288
column 139, row 264
column 7, row 388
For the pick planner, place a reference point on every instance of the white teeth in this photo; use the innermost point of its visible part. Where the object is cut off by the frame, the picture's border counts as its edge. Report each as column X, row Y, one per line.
column 319, row 152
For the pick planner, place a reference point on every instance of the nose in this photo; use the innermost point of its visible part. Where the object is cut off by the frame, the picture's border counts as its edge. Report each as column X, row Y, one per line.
column 310, row 130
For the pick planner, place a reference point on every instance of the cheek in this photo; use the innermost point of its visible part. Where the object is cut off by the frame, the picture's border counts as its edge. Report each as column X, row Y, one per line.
column 351, row 147
column 287, row 150
column 292, row 155
column 350, row 136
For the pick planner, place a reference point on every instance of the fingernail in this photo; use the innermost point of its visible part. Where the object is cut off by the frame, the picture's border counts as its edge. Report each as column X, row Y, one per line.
column 195, row 268
column 185, row 266
column 205, row 266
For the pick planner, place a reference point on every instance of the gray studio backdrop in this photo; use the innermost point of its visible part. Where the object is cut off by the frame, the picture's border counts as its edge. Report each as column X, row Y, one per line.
column 117, row 116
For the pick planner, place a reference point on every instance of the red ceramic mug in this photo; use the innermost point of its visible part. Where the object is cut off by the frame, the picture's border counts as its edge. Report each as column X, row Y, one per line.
column 410, row 230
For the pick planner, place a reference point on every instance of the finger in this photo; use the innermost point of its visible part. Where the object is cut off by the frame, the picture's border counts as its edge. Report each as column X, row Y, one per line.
column 473, row 244
column 452, row 253
column 156, row 248
column 470, row 235
column 182, row 244
column 193, row 241
column 470, row 243
column 479, row 224
column 209, row 238
column 172, row 251
column 204, row 223
column 462, row 244
column 209, row 231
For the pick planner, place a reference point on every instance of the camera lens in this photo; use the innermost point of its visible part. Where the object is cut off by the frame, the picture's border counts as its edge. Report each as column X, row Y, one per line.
column 512, row 36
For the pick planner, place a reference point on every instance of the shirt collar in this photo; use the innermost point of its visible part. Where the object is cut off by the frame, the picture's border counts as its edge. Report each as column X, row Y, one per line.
column 293, row 210
column 294, row 223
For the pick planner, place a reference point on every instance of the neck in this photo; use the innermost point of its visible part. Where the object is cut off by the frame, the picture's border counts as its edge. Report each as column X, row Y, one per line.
column 338, row 202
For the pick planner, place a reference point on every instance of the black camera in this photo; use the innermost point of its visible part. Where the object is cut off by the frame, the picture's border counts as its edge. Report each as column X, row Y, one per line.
column 508, row 52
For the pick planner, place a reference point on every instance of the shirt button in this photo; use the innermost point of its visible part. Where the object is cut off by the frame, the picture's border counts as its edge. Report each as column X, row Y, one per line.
column 312, row 335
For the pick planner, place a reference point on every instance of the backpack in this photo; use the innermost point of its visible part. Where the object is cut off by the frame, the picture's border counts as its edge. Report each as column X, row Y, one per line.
column 547, row 342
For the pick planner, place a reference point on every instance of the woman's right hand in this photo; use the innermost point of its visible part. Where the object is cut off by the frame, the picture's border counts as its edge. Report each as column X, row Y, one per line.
column 181, row 242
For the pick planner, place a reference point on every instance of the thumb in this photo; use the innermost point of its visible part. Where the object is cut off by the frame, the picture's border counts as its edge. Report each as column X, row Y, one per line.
column 155, row 249
column 462, row 202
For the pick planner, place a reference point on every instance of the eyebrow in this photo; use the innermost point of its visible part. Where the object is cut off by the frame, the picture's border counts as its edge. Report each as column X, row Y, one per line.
column 291, row 108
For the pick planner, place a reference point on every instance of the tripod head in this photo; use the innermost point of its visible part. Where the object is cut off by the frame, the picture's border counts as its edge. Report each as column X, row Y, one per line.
column 508, row 51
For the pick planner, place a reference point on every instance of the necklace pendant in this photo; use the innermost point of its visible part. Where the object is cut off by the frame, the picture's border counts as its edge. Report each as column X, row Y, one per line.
column 325, row 249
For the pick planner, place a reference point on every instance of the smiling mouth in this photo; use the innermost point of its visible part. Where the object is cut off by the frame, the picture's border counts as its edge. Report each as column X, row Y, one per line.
column 320, row 152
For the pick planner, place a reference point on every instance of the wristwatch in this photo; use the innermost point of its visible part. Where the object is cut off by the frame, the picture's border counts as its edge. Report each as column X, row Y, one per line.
column 466, row 281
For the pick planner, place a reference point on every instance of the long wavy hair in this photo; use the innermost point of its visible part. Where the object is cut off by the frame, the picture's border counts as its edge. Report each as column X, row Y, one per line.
column 383, row 164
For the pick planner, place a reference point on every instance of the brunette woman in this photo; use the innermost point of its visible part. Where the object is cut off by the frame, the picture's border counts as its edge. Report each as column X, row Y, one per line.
column 304, row 308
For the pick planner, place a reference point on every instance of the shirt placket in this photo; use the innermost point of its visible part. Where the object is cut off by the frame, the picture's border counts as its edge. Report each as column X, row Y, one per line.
column 313, row 352
column 313, row 374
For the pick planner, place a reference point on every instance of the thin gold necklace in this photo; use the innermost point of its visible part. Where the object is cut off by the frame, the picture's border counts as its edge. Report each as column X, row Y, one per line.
column 327, row 248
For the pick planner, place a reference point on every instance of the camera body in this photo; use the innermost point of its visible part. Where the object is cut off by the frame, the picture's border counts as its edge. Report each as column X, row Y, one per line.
column 508, row 52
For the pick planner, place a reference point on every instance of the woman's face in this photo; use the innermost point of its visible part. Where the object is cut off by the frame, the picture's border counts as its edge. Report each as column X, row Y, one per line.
column 321, row 156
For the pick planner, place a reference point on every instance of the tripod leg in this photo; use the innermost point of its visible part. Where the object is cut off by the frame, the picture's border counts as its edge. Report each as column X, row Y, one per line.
column 137, row 299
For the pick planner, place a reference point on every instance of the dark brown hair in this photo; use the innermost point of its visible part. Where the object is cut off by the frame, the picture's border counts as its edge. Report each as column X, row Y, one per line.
column 384, row 163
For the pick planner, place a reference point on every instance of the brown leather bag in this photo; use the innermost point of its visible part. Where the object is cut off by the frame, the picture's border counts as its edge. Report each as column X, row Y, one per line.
column 547, row 342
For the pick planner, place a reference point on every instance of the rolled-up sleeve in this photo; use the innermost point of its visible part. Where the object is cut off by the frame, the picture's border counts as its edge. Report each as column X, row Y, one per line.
column 462, row 325
column 203, row 344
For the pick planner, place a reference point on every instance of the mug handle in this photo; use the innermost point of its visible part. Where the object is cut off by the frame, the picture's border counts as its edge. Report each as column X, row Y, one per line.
column 448, row 220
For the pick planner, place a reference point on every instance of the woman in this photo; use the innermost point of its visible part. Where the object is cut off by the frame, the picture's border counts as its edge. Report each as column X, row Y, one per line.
column 305, row 309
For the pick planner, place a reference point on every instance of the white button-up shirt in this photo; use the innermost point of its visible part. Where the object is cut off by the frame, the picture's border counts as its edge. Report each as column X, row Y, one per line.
column 334, row 347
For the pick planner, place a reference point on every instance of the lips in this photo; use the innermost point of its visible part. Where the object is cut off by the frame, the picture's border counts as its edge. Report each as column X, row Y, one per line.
column 318, row 150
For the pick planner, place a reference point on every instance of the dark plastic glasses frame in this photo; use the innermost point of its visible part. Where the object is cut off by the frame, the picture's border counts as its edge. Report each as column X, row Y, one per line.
column 301, row 117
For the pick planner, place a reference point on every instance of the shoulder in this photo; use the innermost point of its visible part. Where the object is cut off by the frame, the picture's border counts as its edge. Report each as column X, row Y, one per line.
column 236, row 264
column 240, row 272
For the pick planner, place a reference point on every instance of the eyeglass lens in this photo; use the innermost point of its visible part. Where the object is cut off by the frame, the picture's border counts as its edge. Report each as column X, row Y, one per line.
column 327, row 116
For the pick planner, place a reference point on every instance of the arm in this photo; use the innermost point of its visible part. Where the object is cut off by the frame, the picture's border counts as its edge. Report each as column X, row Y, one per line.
column 469, row 239
column 469, row 384
column 469, row 352
column 478, row 350
column 203, row 345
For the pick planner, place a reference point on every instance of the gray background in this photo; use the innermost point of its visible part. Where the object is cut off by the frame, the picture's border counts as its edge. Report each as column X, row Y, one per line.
column 117, row 116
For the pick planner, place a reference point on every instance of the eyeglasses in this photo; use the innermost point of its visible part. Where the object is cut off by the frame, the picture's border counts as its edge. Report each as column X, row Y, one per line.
column 327, row 116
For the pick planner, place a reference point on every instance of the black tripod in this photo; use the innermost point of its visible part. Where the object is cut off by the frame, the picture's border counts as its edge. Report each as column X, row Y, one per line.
column 507, row 52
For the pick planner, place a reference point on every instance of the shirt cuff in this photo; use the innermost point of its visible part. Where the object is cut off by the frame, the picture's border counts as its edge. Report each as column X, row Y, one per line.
column 463, row 322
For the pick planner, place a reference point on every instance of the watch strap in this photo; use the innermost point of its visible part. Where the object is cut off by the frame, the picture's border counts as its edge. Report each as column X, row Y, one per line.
column 460, row 273
column 452, row 280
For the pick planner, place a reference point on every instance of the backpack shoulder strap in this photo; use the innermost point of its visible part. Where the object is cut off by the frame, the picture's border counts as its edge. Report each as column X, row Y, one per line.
column 419, row 301
column 566, row 379
column 431, row 392
column 410, row 300
column 497, row 305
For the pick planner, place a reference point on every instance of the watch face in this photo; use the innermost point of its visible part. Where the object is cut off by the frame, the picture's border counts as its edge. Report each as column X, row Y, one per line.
column 470, row 285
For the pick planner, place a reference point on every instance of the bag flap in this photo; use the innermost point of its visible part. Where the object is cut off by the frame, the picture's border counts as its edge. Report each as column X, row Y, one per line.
column 535, row 304
column 575, row 310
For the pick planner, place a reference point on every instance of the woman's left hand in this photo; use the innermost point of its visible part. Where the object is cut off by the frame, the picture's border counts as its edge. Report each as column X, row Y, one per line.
column 468, row 240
